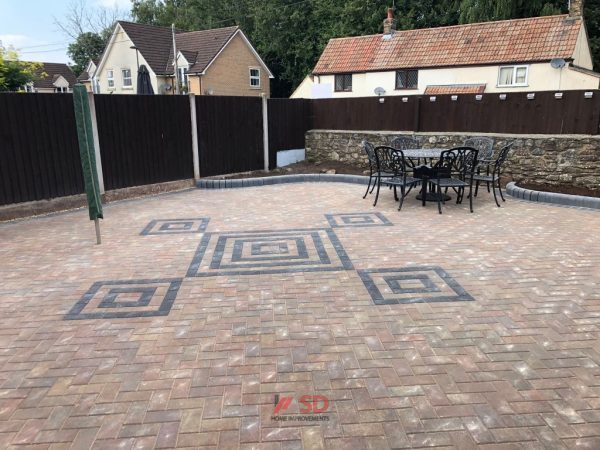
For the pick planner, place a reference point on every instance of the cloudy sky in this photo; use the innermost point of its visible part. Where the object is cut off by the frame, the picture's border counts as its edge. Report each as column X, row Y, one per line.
column 28, row 25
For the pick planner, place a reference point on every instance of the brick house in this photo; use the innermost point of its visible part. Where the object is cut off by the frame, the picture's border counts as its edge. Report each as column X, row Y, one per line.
column 210, row 62
column 536, row 54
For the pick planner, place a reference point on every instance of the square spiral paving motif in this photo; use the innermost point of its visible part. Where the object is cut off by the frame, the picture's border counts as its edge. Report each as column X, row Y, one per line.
column 126, row 298
column 412, row 285
column 257, row 252
column 176, row 226
column 368, row 219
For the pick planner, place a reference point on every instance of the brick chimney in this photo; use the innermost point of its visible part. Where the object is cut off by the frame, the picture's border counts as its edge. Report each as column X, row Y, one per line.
column 389, row 24
column 576, row 8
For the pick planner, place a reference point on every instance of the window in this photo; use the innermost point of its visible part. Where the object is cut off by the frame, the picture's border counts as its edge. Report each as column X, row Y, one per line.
column 126, row 78
column 254, row 78
column 61, row 90
column 513, row 76
column 343, row 82
column 110, row 78
column 407, row 79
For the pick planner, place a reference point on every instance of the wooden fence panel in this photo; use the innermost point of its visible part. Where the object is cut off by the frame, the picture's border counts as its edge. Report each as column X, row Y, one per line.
column 364, row 113
column 289, row 120
column 39, row 151
column 144, row 139
column 230, row 134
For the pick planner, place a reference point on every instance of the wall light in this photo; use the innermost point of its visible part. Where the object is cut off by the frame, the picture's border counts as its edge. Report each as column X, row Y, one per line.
column 588, row 94
column 381, row 100
column 432, row 99
column 558, row 95
column 478, row 97
column 502, row 96
column 404, row 99
column 454, row 98
column 530, row 96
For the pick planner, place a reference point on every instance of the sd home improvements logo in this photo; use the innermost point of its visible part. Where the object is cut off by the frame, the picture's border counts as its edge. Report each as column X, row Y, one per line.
column 310, row 407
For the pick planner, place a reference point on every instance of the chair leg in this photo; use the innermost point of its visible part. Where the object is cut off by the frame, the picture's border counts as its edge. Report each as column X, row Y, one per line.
column 495, row 198
column 368, row 186
column 439, row 199
column 402, row 195
column 395, row 193
column 470, row 198
column 476, row 188
column 500, row 190
column 377, row 194
column 488, row 185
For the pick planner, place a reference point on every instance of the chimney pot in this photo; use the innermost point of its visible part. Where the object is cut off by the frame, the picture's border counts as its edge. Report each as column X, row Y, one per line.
column 390, row 13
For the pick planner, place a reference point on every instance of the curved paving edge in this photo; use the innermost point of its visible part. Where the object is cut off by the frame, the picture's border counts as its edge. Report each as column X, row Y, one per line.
column 281, row 179
column 550, row 197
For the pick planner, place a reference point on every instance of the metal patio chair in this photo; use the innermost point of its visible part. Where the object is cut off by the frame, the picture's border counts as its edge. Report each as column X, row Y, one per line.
column 391, row 160
column 369, row 149
column 493, row 171
column 455, row 169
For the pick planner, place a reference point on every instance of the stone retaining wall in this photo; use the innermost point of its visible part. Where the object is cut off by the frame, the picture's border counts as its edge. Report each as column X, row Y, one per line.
column 565, row 160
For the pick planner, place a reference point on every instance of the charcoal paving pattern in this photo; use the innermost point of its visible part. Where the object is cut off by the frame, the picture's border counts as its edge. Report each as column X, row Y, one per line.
column 517, row 367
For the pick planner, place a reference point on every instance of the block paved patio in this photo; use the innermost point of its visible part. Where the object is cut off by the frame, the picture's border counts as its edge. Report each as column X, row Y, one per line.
column 199, row 308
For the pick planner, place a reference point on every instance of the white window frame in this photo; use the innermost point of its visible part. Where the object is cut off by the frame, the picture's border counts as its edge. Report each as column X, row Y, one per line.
column 254, row 77
column 110, row 78
column 130, row 78
column 61, row 89
column 514, row 76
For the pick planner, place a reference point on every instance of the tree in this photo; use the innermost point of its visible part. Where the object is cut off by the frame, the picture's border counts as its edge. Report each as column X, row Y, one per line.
column 81, row 18
column 484, row 10
column 15, row 74
column 87, row 46
column 591, row 13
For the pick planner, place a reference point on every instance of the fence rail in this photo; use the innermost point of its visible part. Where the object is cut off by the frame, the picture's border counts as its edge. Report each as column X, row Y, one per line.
column 148, row 139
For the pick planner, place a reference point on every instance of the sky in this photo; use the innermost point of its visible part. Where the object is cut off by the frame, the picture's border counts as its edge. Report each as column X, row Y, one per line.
column 29, row 26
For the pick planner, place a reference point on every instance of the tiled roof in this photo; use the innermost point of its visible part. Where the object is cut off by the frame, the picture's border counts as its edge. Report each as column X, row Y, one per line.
column 52, row 71
column 83, row 76
column 156, row 45
column 204, row 44
column 520, row 40
column 455, row 89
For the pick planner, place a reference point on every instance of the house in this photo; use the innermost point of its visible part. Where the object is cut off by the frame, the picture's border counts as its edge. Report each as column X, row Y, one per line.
column 51, row 78
column 535, row 54
column 210, row 62
column 87, row 77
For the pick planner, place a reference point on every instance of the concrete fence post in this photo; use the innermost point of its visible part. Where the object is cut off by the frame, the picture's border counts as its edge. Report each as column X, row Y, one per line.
column 265, row 118
column 196, row 155
column 92, row 103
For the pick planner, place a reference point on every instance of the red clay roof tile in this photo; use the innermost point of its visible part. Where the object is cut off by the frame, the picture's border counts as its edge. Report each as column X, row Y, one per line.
column 519, row 40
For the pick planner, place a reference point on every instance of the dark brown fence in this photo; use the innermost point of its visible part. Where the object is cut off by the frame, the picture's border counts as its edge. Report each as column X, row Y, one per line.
column 289, row 120
column 544, row 114
column 230, row 134
column 144, row 139
column 39, row 152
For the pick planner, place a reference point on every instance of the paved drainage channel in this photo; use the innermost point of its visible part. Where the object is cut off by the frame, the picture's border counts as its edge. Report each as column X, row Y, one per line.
column 254, row 253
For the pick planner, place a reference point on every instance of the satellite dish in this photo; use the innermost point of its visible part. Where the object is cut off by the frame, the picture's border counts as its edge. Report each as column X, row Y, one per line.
column 379, row 91
column 557, row 63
